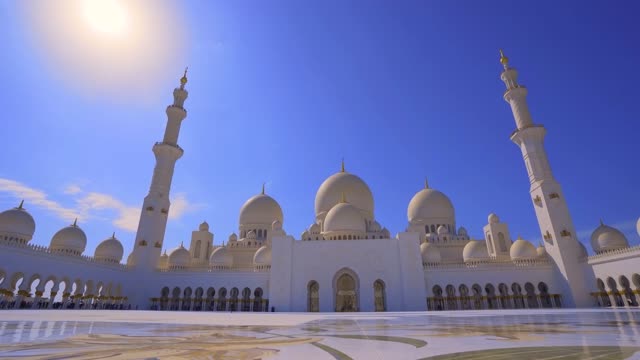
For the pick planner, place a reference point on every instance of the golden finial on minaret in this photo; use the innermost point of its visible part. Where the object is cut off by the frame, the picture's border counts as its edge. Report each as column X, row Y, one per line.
column 342, row 167
column 426, row 183
column 503, row 59
column 183, row 80
column 21, row 203
column 343, row 199
column 263, row 188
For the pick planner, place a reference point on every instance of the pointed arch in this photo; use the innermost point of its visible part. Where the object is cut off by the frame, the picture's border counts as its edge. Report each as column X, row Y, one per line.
column 346, row 290
column 380, row 295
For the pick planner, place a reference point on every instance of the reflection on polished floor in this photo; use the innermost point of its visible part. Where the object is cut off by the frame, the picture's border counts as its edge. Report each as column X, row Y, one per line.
column 531, row 334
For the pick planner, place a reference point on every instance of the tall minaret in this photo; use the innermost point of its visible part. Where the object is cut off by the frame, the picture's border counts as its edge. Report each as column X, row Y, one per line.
column 549, row 203
column 155, row 209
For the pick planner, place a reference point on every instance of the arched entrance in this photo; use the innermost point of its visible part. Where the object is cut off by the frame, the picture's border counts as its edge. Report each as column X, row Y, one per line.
column 379, row 296
column 346, row 291
column 313, row 295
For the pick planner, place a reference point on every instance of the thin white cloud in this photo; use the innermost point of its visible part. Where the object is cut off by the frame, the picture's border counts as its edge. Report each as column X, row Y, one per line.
column 39, row 198
column 92, row 205
column 72, row 189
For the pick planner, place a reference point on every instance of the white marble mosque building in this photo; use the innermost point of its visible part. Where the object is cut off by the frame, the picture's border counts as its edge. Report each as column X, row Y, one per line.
column 344, row 261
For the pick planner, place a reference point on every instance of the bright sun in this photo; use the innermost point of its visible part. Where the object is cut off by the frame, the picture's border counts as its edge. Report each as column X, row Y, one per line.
column 105, row 16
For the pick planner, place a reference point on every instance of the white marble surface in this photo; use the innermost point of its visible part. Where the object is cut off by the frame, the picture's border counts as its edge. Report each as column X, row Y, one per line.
column 579, row 334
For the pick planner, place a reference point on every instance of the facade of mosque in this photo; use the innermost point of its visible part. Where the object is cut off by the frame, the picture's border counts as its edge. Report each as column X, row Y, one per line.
column 344, row 261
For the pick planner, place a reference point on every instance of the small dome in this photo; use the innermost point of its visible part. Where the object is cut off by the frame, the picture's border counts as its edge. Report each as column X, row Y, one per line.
column 541, row 251
column 606, row 238
column 70, row 239
column 314, row 228
column 276, row 225
column 331, row 190
column 262, row 257
column 131, row 259
column 179, row 257
column 260, row 209
column 163, row 262
column 462, row 231
column 251, row 235
column 233, row 237
column 17, row 221
column 344, row 217
column 493, row 219
column 442, row 230
column 638, row 226
column 582, row 250
column 109, row 250
column 522, row 250
column 429, row 206
column 430, row 253
column 475, row 250
column 204, row 226
column 375, row 227
column 221, row 257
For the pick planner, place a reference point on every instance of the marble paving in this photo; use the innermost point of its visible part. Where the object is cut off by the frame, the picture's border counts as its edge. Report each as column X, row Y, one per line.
column 507, row 334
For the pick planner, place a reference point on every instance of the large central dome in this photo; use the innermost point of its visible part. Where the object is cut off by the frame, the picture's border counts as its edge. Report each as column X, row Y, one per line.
column 430, row 206
column 260, row 209
column 331, row 190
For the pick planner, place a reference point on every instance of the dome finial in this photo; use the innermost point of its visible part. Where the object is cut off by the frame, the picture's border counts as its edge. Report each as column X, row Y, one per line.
column 75, row 222
column 503, row 59
column 342, row 167
column 183, row 80
column 21, row 203
column 426, row 183
column 601, row 222
column 181, row 244
column 263, row 188
column 113, row 236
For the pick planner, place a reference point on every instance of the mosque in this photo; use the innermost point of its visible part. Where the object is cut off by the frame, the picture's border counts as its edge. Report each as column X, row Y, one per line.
column 345, row 261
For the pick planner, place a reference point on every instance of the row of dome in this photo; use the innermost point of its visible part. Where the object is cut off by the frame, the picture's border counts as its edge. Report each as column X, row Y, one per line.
column 426, row 207
column 18, row 225
column 220, row 258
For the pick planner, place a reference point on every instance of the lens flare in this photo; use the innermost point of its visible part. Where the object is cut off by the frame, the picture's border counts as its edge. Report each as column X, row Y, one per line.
column 112, row 49
column 105, row 16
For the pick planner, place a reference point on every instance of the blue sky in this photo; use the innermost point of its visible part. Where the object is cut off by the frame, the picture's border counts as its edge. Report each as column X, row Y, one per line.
column 280, row 91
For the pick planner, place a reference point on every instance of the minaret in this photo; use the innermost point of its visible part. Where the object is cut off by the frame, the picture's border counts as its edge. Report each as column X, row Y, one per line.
column 155, row 209
column 548, row 200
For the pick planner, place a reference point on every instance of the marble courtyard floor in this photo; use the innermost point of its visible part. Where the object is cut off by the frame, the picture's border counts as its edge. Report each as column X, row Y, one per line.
column 505, row 334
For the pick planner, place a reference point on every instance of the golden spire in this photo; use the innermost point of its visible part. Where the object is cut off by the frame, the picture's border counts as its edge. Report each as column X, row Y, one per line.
column 21, row 203
column 342, row 167
column 426, row 183
column 343, row 199
column 519, row 237
column 183, row 80
column 503, row 59
column 263, row 188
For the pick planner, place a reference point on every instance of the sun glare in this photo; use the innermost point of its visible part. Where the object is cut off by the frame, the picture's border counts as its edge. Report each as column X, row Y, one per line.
column 96, row 46
column 105, row 16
